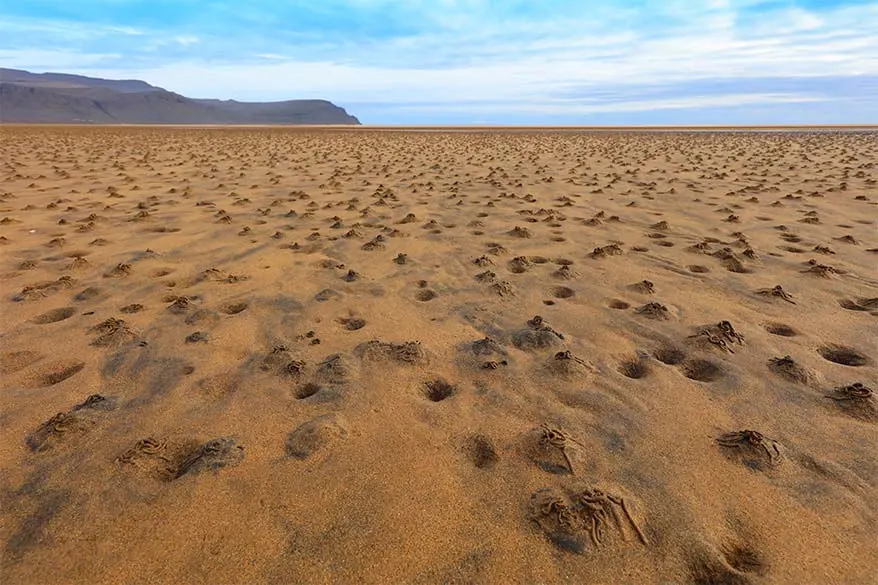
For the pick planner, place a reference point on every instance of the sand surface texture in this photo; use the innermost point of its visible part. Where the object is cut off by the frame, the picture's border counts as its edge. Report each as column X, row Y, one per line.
column 276, row 356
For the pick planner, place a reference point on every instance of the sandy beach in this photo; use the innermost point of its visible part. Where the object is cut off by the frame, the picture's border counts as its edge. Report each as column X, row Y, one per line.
column 267, row 355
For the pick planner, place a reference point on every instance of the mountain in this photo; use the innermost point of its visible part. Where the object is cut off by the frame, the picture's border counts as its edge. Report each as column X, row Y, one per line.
column 60, row 98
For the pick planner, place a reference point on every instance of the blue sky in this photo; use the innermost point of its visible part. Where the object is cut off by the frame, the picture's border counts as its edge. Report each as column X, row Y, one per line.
column 478, row 61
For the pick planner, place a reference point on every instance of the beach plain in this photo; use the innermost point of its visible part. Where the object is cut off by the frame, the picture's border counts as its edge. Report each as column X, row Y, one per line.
column 273, row 355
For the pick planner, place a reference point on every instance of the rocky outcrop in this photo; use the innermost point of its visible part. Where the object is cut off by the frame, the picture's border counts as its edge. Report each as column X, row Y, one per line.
column 56, row 98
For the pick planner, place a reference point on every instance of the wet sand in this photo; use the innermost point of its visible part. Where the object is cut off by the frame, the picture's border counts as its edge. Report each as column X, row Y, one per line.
column 312, row 356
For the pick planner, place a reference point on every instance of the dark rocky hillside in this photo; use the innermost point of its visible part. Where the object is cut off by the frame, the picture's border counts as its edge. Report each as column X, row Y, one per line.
column 61, row 98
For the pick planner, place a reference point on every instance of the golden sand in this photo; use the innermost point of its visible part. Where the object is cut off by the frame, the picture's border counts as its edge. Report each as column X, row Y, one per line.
column 314, row 356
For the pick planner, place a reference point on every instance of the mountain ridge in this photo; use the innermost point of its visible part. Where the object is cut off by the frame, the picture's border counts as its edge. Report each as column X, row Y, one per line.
column 59, row 98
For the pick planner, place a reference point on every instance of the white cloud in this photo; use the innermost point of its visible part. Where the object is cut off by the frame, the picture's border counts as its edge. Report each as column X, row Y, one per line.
column 541, row 70
column 576, row 107
column 60, row 30
column 125, row 30
column 48, row 60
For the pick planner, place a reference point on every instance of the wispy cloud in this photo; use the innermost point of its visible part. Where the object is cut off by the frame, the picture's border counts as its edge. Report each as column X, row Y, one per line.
column 186, row 40
column 454, row 60
column 555, row 107
column 49, row 60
